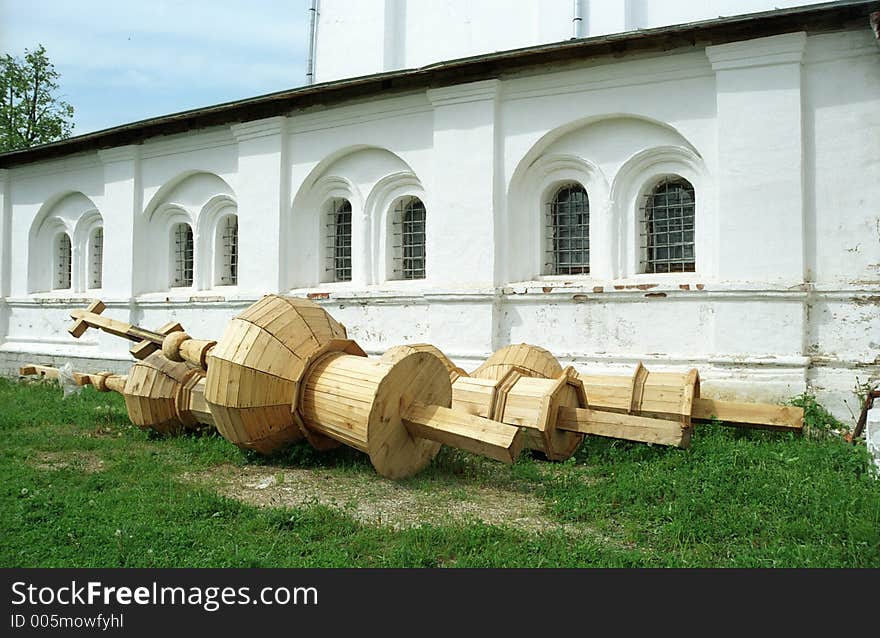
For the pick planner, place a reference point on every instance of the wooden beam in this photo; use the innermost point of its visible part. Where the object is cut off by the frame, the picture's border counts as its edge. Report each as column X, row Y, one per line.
column 786, row 418
column 475, row 434
column 49, row 372
column 623, row 426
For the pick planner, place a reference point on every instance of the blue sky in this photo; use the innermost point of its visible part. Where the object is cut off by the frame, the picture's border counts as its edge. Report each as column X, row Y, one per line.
column 126, row 60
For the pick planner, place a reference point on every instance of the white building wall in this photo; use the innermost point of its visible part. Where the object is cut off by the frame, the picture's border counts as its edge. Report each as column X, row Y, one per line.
column 389, row 35
column 779, row 137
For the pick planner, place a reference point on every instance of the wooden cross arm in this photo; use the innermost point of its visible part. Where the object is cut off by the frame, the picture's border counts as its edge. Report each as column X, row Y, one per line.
column 91, row 318
column 79, row 326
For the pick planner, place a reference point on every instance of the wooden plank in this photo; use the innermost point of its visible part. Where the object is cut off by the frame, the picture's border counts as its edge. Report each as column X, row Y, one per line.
column 623, row 426
column 47, row 372
column 749, row 415
column 464, row 431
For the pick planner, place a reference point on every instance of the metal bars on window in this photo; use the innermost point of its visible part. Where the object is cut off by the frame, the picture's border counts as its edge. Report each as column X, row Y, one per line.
column 182, row 245
column 568, row 231
column 62, row 262
column 409, row 230
column 339, row 240
column 229, row 245
column 668, row 228
column 96, row 258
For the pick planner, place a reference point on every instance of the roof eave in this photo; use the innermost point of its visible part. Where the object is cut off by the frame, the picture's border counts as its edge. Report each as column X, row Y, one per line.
column 812, row 18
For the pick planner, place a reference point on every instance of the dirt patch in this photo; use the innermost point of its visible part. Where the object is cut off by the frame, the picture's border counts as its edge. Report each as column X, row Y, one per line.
column 87, row 462
column 372, row 499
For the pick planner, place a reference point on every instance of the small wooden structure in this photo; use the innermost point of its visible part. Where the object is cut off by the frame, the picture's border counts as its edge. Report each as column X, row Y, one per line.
column 676, row 397
column 284, row 370
column 160, row 395
column 525, row 385
column 396, row 412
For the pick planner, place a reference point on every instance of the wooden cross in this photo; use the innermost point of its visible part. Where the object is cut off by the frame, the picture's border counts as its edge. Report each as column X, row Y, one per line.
column 80, row 326
column 91, row 318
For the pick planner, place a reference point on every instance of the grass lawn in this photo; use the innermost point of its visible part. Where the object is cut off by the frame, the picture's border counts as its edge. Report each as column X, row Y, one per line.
column 81, row 487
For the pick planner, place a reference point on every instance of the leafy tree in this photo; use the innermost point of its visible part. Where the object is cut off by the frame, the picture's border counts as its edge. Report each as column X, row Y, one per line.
column 30, row 112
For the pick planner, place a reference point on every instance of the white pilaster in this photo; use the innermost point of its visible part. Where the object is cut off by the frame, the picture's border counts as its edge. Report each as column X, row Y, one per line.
column 5, row 232
column 760, row 158
column 263, row 195
column 462, row 192
column 5, row 251
column 462, row 205
column 123, row 255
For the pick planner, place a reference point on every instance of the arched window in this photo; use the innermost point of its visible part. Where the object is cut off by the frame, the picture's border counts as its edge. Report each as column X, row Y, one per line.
column 182, row 255
column 62, row 262
column 668, row 227
column 96, row 258
column 568, row 231
column 227, row 240
column 339, row 240
column 408, row 235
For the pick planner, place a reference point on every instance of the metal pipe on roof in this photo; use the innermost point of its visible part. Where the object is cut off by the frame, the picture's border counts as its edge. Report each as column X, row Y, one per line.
column 577, row 20
column 313, row 42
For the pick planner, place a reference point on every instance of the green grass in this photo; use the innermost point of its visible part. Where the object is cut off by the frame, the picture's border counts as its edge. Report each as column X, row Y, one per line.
column 81, row 487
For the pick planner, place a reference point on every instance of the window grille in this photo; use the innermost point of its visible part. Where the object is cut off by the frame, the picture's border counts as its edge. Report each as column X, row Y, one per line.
column 568, row 231
column 409, row 229
column 96, row 258
column 229, row 239
column 62, row 262
column 339, row 240
column 183, row 255
column 668, row 228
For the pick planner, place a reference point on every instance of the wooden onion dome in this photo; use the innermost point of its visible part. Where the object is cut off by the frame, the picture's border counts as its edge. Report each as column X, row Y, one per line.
column 396, row 353
column 254, row 371
column 527, row 359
